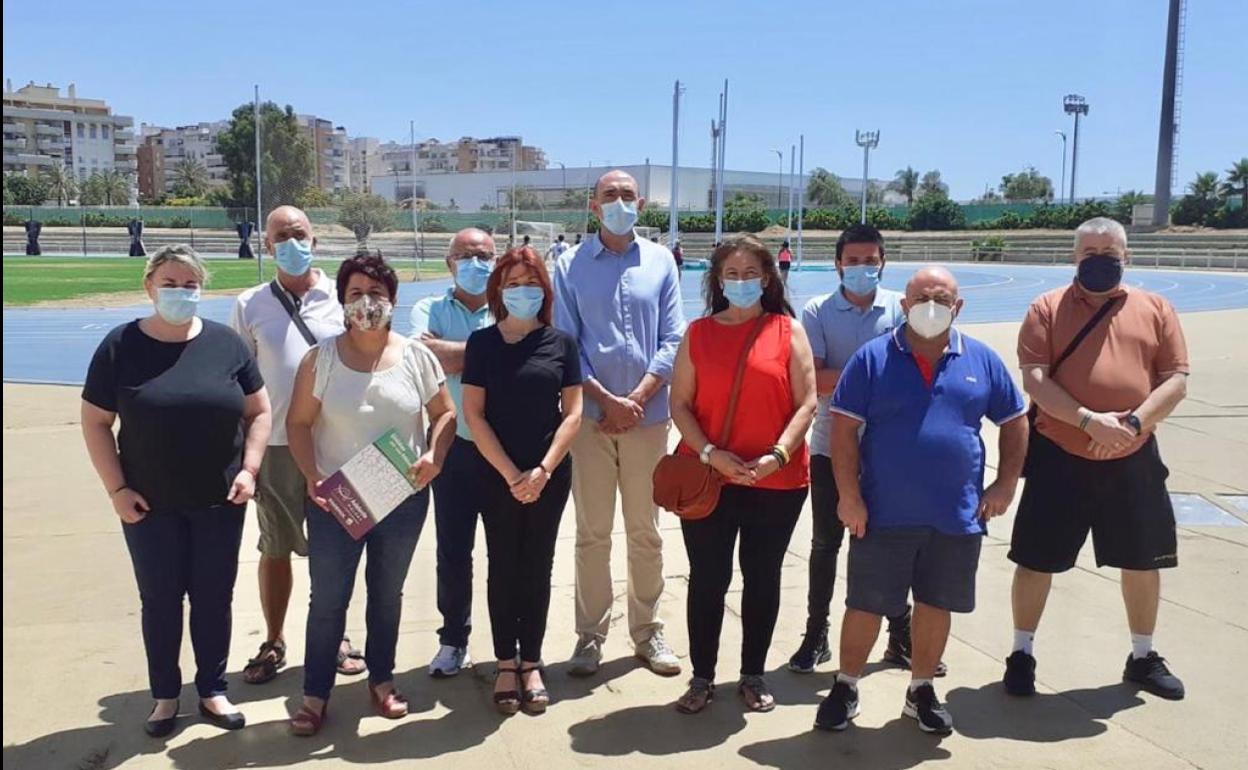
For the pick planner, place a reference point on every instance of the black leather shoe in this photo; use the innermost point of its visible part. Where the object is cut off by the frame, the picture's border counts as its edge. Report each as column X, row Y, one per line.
column 235, row 721
column 159, row 728
column 1153, row 675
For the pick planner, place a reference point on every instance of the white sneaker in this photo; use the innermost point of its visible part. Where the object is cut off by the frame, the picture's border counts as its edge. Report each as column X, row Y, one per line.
column 585, row 658
column 449, row 661
column 658, row 656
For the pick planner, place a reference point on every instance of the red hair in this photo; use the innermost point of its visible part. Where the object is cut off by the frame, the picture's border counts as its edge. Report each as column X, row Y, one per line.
column 522, row 255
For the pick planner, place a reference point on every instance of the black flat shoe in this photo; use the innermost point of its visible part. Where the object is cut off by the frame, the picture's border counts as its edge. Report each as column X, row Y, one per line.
column 235, row 721
column 160, row 728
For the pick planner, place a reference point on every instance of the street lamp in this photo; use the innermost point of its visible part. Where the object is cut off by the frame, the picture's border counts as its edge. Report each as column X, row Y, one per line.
column 565, row 178
column 1076, row 105
column 779, row 179
column 1062, row 190
column 867, row 140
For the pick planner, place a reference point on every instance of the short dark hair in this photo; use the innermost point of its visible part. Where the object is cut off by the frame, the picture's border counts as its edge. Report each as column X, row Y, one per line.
column 860, row 233
column 373, row 266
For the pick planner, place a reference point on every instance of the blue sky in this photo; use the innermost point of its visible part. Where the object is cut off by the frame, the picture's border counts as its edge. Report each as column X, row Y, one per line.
column 971, row 87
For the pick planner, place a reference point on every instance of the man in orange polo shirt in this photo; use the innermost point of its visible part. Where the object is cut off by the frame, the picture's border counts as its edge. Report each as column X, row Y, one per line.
column 1094, row 465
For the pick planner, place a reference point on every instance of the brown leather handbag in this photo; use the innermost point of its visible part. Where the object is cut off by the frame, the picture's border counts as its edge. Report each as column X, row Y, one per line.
column 685, row 485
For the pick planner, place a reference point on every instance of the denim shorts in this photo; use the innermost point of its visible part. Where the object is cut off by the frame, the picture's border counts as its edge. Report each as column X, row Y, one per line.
column 889, row 563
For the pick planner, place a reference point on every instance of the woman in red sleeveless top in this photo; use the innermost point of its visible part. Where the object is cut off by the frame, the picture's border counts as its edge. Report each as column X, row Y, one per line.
column 764, row 458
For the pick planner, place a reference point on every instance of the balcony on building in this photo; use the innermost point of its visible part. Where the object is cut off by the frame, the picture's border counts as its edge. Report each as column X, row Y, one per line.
column 125, row 149
column 47, row 130
column 124, row 134
column 30, row 159
column 17, row 143
column 55, row 146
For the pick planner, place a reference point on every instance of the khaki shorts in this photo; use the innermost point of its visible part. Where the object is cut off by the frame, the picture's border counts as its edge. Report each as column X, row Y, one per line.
column 280, row 493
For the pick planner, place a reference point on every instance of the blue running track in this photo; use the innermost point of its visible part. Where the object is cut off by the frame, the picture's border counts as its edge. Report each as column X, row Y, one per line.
column 54, row 345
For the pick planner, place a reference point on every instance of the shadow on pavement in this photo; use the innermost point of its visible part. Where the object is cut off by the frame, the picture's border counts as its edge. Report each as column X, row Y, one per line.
column 897, row 745
column 659, row 730
column 988, row 713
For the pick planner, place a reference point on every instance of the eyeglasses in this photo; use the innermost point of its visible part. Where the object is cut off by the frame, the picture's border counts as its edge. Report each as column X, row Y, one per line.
column 483, row 256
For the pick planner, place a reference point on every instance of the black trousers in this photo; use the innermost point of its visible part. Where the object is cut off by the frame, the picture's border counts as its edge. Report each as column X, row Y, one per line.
column 765, row 519
column 520, row 544
column 186, row 553
column 827, row 534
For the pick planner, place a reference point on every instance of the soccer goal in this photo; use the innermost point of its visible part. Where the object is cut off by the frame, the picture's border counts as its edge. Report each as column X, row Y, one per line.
column 541, row 234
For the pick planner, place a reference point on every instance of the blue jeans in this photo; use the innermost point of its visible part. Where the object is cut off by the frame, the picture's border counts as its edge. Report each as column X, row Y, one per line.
column 457, row 497
column 186, row 553
column 333, row 558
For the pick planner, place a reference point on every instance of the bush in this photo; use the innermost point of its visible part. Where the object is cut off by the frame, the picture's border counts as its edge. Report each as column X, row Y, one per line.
column 1191, row 210
column 1227, row 217
column 936, row 212
column 432, row 223
column 654, row 217
column 989, row 249
column 746, row 221
column 96, row 219
column 883, row 219
column 183, row 223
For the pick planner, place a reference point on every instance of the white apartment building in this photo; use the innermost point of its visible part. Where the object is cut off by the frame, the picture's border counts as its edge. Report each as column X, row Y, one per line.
column 364, row 155
column 42, row 128
column 171, row 146
column 463, row 156
column 332, row 149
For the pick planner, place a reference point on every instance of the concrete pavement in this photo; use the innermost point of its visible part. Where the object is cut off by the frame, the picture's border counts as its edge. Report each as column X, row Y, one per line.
column 75, row 684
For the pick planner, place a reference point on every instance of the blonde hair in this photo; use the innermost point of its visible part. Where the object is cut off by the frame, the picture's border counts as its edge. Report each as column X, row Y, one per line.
column 181, row 254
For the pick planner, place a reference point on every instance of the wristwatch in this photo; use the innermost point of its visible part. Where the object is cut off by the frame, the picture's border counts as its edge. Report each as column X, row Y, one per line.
column 1134, row 422
column 705, row 454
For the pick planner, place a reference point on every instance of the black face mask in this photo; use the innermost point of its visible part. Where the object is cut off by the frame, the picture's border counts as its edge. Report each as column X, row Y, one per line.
column 1100, row 272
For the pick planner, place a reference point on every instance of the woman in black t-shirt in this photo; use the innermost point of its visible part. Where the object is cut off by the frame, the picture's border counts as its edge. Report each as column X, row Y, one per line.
column 195, row 419
column 522, row 401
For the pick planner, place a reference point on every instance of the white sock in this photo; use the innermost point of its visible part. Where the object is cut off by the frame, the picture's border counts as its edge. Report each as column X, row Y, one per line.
column 917, row 683
column 1141, row 645
column 1023, row 640
column 852, row 681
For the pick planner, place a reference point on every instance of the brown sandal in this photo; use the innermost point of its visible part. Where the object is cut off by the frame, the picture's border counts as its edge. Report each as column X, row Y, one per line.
column 392, row 706
column 755, row 693
column 349, row 654
column 306, row 722
column 264, row 667
column 699, row 695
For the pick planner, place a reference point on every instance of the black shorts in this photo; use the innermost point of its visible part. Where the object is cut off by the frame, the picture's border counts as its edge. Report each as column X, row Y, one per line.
column 1123, row 502
column 784, row 266
column 889, row 563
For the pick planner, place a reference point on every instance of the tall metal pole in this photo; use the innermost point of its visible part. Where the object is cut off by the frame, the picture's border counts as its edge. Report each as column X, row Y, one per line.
column 1167, row 130
column 1074, row 160
column 801, row 193
column 415, row 212
column 779, row 178
column 1074, row 104
column 1061, row 191
column 260, row 223
column 588, row 194
column 867, row 140
column 673, row 221
column 719, row 168
column 788, row 221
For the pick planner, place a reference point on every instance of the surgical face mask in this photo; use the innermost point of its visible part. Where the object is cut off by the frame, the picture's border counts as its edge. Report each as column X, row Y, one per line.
column 177, row 306
column 1100, row 272
column 293, row 257
column 930, row 319
column 619, row 216
column 472, row 274
column 745, row 293
column 861, row 279
column 369, row 313
column 523, row 302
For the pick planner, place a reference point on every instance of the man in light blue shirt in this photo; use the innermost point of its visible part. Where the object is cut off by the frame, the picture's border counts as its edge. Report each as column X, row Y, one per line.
column 444, row 325
column 838, row 324
column 618, row 296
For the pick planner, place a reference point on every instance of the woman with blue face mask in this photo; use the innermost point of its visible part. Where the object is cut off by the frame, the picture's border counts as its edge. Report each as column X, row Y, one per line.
column 522, row 401
column 195, row 419
column 762, row 456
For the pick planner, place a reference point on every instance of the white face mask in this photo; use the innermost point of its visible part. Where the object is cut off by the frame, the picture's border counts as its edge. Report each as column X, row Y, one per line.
column 619, row 216
column 929, row 319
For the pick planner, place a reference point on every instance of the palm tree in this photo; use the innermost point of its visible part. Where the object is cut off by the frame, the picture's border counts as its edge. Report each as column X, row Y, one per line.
column 61, row 183
column 907, row 183
column 824, row 189
column 1237, row 181
column 931, row 185
column 190, row 178
column 1205, row 186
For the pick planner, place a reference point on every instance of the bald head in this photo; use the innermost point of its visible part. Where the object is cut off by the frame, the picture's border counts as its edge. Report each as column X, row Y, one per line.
column 470, row 242
column 616, row 184
column 284, row 223
column 930, row 283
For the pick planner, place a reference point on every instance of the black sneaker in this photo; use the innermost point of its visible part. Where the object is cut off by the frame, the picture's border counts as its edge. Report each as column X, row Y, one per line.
column 1152, row 675
column 923, row 706
column 1020, row 674
column 899, row 648
column 814, row 650
column 838, row 708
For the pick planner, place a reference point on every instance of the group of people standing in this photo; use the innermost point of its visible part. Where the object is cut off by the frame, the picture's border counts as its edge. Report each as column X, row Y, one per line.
column 517, row 389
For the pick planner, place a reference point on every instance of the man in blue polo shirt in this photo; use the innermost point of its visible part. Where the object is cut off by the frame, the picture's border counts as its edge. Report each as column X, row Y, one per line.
column 912, row 492
column 444, row 324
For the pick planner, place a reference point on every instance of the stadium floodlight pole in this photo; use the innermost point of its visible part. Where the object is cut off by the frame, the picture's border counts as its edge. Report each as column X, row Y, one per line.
column 801, row 192
column 1076, row 105
column 1169, row 129
column 779, row 178
column 1062, row 190
column 867, row 140
column 718, row 173
column 411, row 126
column 788, row 222
column 673, row 220
column 255, row 116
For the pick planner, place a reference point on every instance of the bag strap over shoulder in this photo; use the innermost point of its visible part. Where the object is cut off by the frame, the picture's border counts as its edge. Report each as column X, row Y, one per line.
column 295, row 318
column 726, row 431
column 1075, row 343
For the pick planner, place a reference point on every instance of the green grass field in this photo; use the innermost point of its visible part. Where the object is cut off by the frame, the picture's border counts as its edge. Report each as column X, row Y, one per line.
column 28, row 280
